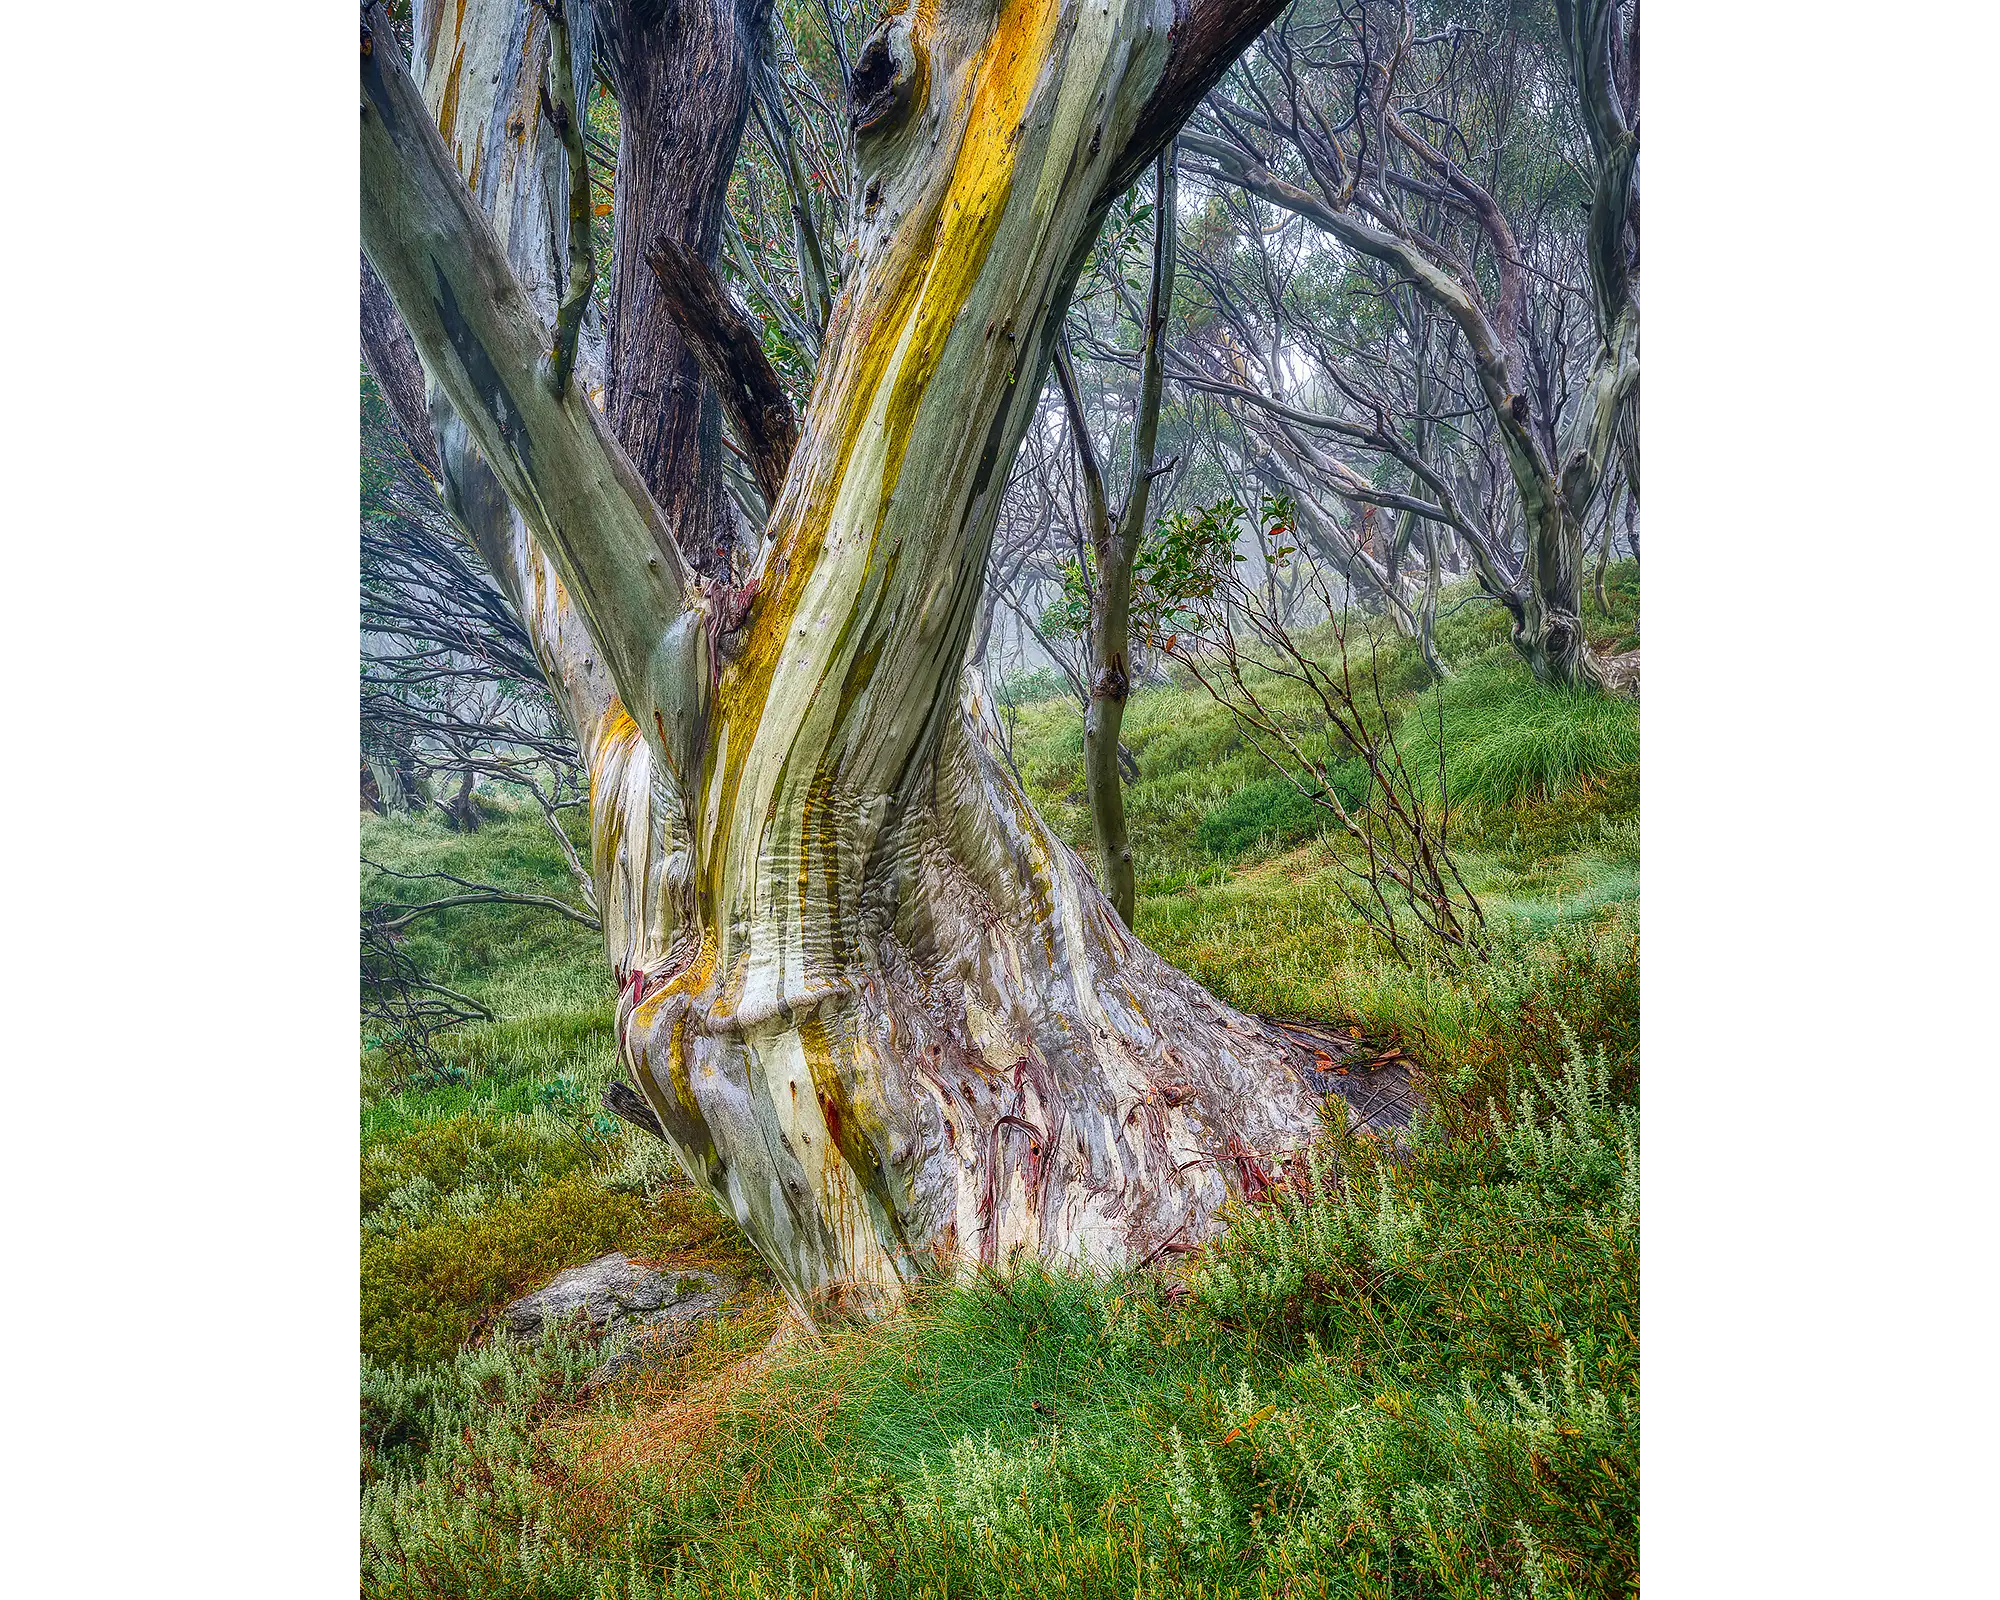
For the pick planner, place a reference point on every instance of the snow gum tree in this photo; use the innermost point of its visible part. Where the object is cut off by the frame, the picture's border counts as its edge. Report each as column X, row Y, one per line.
column 881, row 1012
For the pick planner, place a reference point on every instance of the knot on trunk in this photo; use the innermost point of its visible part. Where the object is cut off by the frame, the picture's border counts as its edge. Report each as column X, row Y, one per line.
column 884, row 78
column 1111, row 683
column 729, row 608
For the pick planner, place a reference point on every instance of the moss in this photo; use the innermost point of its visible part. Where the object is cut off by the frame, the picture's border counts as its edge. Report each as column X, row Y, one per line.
column 426, row 1290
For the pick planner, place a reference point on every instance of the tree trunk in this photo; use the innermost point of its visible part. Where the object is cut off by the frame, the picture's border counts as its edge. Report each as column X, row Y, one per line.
column 1104, row 756
column 880, row 1010
column 461, row 811
column 1604, row 554
column 1548, row 628
column 681, row 73
column 1428, row 606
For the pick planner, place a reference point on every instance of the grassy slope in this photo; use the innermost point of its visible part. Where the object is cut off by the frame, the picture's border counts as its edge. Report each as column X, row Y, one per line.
column 1418, row 1380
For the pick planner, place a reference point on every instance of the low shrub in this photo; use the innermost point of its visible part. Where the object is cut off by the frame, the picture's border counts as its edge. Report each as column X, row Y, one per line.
column 425, row 1287
column 1021, row 688
column 1273, row 814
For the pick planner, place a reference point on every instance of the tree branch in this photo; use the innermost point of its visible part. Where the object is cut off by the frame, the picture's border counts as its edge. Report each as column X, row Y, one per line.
column 488, row 897
column 386, row 347
column 564, row 115
column 726, row 345
column 1204, row 41
column 1086, row 451
column 483, row 344
column 1159, row 300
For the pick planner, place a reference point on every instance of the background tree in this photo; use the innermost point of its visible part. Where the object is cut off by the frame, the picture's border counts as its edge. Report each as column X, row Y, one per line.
column 1401, row 148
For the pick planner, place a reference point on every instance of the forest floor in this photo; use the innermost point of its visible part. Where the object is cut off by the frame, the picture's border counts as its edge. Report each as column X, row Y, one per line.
column 1417, row 1377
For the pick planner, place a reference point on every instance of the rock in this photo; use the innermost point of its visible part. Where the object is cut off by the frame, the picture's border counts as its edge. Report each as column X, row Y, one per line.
column 652, row 1347
column 616, row 1292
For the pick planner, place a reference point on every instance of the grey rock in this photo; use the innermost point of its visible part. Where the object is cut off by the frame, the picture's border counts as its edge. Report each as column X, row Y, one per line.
column 615, row 1292
column 653, row 1347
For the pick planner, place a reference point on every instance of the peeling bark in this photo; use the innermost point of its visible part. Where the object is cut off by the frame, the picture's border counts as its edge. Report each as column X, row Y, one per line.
column 725, row 346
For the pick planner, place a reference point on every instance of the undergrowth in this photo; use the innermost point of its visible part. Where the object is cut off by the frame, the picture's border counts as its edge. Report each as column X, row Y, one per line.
column 1411, row 1371
column 1495, row 740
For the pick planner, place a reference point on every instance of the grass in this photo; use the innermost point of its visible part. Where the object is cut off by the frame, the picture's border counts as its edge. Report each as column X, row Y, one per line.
column 1416, row 1375
column 1493, row 741
column 481, row 1181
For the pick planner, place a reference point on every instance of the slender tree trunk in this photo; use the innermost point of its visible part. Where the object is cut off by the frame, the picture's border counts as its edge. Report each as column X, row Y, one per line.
column 461, row 811
column 1428, row 606
column 1604, row 556
column 1548, row 628
column 880, row 1010
column 1111, row 604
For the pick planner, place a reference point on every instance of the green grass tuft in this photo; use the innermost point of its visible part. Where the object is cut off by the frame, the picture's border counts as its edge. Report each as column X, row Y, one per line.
column 1509, row 742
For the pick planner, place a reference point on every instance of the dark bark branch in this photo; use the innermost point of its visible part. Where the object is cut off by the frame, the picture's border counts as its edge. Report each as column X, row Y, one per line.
column 777, row 126
column 1159, row 301
column 725, row 343
column 1206, row 38
column 386, row 347
column 681, row 70
column 566, row 116
column 1086, row 452
column 625, row 1102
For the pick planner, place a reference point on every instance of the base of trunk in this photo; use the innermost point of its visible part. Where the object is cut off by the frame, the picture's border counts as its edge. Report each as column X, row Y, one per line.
column 977, row 1062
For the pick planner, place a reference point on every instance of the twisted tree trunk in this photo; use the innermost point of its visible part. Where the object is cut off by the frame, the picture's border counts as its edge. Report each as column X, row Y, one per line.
column 878, row 1008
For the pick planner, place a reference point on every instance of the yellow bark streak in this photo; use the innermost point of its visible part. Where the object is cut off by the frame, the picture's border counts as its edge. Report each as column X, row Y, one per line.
column 909, row 319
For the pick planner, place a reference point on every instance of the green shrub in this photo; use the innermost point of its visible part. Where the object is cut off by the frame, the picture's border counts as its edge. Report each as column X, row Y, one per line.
column 1509, row 742
column 1273, row 814
column 1032, row 687
column 425, row 1287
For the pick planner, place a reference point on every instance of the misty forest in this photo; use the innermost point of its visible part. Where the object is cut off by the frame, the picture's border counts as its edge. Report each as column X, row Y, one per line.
column 999, row 785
